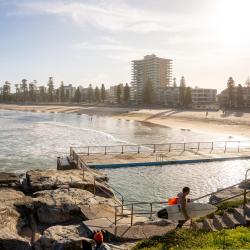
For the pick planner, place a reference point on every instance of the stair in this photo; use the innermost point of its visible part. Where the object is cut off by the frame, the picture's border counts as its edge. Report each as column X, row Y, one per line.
column 208, row 225
column 197, row 225
column 247, row 209
column 241, row 216
column 218, row 222
column 230, row 220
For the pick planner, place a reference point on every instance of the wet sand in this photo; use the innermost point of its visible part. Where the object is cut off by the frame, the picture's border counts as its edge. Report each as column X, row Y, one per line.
column 231, row 123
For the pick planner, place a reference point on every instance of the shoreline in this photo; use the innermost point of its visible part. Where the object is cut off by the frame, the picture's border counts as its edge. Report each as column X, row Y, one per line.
column 233, row 124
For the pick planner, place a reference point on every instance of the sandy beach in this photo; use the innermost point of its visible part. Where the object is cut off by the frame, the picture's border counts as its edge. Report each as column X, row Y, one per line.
column 231, row 123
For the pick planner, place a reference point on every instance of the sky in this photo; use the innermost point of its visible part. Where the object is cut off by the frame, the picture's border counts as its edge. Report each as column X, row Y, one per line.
column 94, row 41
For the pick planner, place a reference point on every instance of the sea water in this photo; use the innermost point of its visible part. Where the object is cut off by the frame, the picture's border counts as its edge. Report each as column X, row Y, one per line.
column 31, row 140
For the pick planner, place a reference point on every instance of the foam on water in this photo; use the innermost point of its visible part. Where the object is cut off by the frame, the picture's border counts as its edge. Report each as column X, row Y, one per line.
column 34, row 140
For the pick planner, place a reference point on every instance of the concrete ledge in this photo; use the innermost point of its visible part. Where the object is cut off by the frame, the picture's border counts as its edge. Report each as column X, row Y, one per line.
column 164, row 163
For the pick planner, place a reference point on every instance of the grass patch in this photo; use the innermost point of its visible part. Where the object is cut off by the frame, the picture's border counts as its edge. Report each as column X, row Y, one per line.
column 238, row 238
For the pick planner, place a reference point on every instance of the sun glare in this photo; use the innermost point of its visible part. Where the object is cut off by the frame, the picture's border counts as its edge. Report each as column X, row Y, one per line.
column 232, row 21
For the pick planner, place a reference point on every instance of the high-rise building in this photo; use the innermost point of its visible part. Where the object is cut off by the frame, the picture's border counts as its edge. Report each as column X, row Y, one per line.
column 157, row 71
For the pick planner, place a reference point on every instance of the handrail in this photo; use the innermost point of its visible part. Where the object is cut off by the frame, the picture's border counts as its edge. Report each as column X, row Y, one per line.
column 104, row 149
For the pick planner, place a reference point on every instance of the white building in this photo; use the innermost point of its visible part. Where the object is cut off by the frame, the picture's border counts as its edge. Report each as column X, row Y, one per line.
column 204, row 98
column 157, row 71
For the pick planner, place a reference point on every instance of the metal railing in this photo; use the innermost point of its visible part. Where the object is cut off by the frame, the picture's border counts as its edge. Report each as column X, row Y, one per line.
column 154, row 206
column 225, row 146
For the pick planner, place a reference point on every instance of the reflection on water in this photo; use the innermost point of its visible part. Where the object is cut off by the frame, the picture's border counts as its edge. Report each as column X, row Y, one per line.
column 34, row 140
column 158, row 183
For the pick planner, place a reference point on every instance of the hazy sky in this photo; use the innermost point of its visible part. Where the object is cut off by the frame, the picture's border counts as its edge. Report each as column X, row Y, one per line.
column 94, row 41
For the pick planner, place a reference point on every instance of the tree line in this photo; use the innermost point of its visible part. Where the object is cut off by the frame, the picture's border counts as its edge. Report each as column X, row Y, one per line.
column 234, row 96
column 185, row 93
column 30, row 92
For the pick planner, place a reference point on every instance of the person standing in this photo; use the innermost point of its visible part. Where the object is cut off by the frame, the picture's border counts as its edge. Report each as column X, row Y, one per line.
column 182, row 200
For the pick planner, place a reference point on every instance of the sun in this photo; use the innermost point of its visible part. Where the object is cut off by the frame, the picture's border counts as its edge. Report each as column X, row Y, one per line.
column 232, row 21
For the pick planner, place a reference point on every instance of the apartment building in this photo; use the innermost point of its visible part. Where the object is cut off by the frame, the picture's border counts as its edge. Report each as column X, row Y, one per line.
column 157, row 71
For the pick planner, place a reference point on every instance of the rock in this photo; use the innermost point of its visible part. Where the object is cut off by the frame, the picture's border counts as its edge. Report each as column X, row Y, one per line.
column 39, row 180
column 71, row 206
column 62, row 237
column 9, row 179
column 11, row 221
column 226, row 194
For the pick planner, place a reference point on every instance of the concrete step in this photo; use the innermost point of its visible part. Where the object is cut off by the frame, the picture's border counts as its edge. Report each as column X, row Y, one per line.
column 197, row 225
column 247, row 209
column 230, row 220
column 218, row 223
column 208, row 225
column 242, row 217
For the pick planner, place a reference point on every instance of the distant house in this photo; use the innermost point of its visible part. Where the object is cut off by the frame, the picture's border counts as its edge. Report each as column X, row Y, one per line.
column 204, row 99
column 201, row 98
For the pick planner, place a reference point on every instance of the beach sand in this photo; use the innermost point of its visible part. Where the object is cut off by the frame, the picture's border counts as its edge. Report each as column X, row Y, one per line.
column 231, row 123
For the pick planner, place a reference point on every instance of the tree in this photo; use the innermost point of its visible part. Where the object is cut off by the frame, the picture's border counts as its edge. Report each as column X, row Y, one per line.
column 51, row 89
column 103, row 93
column 32, row 94
column 6, row 91
column 126, row 93
column 239, row 96
column 230, row 89
column 90, row 93
column 147, row 92
column 77, row 97
column 182, row 93
column 118, row 93
column 17, row 92
column 247, row 83
column 97, row 94
column 24, row 90
column 62, row 94
column 174, row 82
column 188, row 97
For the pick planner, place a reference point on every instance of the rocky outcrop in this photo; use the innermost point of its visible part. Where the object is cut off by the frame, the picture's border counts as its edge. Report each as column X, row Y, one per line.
column 70, row 205
column 38, row 180
column 9, row 180
column 12, row 221
column 62, row 237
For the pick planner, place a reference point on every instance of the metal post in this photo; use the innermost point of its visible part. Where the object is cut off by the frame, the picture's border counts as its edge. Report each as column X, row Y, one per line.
column 105, row 149
column 199, row 146
column 122, row 204
column 212, row 148
column 115, row 216
column 245, row 191
column 169, row 147
column 154, row 148
column 138, row 149
column 225, row 150
column 83, row 172
column 70, row 152
column 88, row 150
column 132, row 213
column 151, row 210
column 122, row 149
column 238, row 146
column 94, row 185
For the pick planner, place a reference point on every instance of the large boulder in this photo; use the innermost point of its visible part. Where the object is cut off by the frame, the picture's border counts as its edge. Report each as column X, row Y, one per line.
column 62, row 237
column 39, row 180
column 12, row 221
column 9, row 179
column 71, row 206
